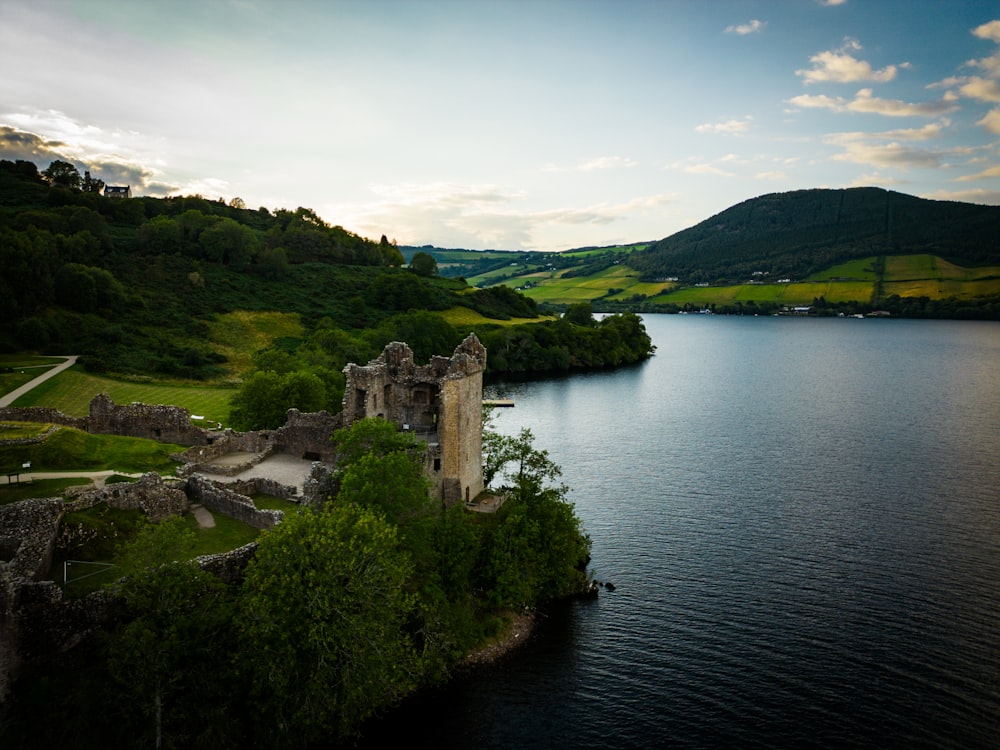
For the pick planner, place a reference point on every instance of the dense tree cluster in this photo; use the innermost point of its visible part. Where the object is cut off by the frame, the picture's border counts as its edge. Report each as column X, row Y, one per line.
column 343, row 609
column 563, row 345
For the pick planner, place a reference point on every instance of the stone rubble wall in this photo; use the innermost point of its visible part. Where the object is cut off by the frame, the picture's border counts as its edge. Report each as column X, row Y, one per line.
column 229, row 566
column 150, row 494
column 40, row 438
column 41, row 414
column 219, row 498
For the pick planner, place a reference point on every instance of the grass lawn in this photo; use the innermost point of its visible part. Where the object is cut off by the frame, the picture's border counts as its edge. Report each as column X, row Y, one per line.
column 73, row 450
column 71, row 392
column 24, row 367
column 12, row 493
column 270, row 502
column 20, row 430
column 227, row 534
column 112, row 527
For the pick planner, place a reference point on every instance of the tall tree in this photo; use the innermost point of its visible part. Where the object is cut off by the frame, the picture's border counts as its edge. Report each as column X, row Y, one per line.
column 62, row 173
column 324, row 605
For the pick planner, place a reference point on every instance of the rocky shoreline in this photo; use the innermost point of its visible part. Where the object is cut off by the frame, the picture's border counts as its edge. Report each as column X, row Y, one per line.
column 517, row 631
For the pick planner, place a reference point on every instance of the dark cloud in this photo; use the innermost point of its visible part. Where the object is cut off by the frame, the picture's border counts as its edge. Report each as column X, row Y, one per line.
column 20, row 144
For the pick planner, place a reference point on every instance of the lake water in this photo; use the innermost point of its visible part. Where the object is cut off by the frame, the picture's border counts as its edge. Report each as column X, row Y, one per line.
column 801, row 518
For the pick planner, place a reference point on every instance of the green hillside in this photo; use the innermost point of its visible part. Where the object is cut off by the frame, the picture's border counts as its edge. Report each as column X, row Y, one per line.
column 208, row 297
column 801, row 233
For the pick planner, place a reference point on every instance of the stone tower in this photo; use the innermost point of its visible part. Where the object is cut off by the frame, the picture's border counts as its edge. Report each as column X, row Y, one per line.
column 441, row 403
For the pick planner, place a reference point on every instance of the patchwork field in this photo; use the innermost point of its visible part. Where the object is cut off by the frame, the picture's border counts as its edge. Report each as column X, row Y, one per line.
column 854, row 281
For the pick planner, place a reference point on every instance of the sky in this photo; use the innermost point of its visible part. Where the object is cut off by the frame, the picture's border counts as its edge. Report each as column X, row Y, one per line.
column 507, row 124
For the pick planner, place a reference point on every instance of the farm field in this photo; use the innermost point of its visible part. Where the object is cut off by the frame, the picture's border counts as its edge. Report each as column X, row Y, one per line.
column 853, row 281
column 463, row 317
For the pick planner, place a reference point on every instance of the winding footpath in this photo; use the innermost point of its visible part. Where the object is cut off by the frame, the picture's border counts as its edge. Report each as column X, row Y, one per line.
column 14, row 395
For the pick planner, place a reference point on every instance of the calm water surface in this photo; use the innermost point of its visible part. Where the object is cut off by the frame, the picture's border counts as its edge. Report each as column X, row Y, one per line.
column 802, row 522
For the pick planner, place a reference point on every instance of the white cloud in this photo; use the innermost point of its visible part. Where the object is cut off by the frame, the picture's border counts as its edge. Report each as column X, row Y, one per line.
column 888, row 155
column 983, row 89
column 984, row 175
column 863, row 101
column 592, row 165
column 989, row 30
column 774, row 174
column 876, row 179
column 979, row 195
column 606, row 162
column 476, row 216
column 752, row 27
column 991, row 121
column 729, row 127
column 707, row 169
column 830, row 3
column 838, row 66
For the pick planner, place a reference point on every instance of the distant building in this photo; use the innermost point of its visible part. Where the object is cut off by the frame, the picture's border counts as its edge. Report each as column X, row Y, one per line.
column 117, row 191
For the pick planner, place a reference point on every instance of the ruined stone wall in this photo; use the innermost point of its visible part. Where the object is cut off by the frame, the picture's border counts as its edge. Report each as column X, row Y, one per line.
column 219, row 498
column 41, row 414
column 150, row 494
column 228, row 566
column 40, row 438
column 27, row 536
column 170, row 424
column 307, row 435
column 263, row 486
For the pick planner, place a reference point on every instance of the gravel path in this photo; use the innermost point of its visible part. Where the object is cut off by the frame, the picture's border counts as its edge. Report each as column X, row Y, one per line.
column 15, row 394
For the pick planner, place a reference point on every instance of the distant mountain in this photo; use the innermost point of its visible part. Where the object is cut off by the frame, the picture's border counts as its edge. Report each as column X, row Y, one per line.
column 797, row 233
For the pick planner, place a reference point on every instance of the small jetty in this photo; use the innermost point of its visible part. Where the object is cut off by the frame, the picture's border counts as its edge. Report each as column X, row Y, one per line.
column 498, row 402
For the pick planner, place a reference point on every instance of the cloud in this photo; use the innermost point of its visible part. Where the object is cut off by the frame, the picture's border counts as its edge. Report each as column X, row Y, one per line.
column 752, row 27
column 707, row 169
column 989, row 30
column 893, row 148
column 888, row 155
column 984, row 175
column 606, row 162
column 983, row 89
column 592, row 165
column 831, row 3
column 991, row 121
column 979, row 195
column 773, row 174
column 838, row 66
column 88, row 148
column 863, row 101
column 729, row 127
column 475, row 216
column 868, row 180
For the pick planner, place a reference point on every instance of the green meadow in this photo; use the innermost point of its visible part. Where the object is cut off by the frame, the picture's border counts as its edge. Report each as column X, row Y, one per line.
column 71, row 392
column 68, row 449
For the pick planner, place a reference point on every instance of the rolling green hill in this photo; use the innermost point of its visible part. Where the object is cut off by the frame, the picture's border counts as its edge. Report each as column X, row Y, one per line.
column 796, row 234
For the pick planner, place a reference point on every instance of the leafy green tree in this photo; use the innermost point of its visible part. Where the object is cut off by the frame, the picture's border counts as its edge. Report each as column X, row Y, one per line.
column 390, row 253
column 535, row 549
column 264, row 398
column 423, row 264
column 581, row 314
column 63, row 174
column 323, row 611
column 166, row 654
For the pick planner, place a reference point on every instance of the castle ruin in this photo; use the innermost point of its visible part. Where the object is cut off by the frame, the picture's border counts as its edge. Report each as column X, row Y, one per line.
column 440, row 403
